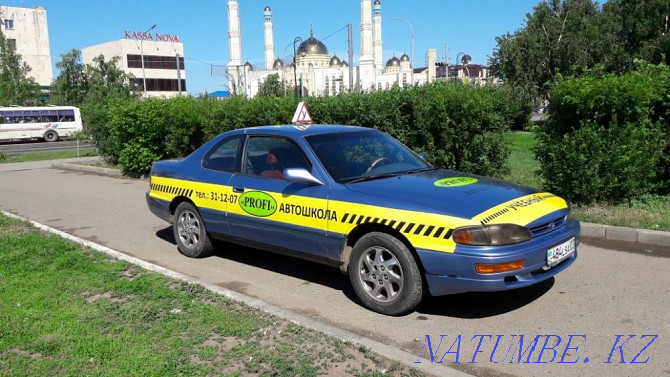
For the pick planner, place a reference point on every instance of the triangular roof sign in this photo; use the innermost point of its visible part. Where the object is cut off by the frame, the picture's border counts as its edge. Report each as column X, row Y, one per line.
column 301, row 115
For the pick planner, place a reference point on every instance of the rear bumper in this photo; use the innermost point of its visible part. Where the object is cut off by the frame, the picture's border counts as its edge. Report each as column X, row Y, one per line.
column 158, row 207
column 450, row 273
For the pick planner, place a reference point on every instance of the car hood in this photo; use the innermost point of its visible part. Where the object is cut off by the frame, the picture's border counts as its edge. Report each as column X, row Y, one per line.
column 443, row 191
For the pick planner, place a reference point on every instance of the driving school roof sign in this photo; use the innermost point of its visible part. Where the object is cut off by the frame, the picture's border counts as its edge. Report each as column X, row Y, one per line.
column 156, row 37
column 301, row 115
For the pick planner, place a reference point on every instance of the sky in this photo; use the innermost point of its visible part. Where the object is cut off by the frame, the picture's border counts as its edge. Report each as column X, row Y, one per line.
column 467, row 26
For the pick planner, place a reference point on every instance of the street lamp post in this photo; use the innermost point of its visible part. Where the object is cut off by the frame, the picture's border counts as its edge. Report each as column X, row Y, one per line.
column 144, row 77
column 295, row 66
column 411, row 29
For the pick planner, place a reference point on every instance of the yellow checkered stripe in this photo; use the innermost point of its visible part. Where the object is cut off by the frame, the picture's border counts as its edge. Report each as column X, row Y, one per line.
column 172, row 190
column 416, row 229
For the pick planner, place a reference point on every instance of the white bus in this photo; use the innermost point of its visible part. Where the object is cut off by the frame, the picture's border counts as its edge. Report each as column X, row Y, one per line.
column 49, row 123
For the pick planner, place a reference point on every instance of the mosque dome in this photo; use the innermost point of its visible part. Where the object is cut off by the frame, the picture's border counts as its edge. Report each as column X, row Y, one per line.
column 377, row 2
column 312, row 46
column 344, row 63
column 335, row 61
column 278, row 64
column 267, row 9
column 404, row 58
column 249, row 66
column 393, row 62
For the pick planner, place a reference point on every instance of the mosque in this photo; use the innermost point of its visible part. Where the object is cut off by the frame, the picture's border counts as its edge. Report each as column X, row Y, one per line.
column 316, row 72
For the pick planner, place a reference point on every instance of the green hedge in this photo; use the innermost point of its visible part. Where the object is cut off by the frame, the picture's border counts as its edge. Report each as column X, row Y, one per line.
column 459, row 126
column 607, row 136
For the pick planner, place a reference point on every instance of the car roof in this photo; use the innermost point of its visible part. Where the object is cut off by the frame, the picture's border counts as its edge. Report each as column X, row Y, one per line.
column 301, row 130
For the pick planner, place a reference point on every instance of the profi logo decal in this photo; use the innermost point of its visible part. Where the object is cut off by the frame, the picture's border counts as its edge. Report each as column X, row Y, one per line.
column 455, row 181
column 257, row 203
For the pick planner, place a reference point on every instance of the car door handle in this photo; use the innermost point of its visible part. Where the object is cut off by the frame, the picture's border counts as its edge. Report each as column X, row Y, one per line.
column 238, row 189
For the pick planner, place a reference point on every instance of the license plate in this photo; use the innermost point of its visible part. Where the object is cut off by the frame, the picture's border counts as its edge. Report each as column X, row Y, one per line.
column 557, row 254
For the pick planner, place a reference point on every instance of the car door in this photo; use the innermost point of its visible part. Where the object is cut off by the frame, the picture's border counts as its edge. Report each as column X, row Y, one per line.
column 218, row 167
column 273, row 211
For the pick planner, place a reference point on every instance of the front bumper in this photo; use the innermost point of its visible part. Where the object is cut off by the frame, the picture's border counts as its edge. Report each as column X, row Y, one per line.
column 450, row 273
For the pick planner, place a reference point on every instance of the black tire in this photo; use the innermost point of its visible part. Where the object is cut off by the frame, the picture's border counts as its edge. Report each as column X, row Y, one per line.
column 385, row 275
column 50, row 136
column 190, row 233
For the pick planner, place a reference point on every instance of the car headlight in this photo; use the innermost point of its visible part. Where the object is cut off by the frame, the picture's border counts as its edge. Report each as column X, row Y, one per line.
column 489, row 235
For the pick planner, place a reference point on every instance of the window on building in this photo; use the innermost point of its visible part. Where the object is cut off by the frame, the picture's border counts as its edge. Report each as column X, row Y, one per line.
column 404, row 79
column 9, row 24
column 155, row 62
column 388, row 85
column 12, row 43
column 160, row 85
column 327, row 85
column 379, row 86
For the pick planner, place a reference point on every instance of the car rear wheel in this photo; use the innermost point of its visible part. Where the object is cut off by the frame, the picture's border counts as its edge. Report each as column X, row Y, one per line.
column 189, row 232
column 50, row 136
column 385, row 275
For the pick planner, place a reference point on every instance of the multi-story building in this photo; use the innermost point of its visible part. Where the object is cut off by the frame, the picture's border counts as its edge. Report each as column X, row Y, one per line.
column 155, row 61
column 26, row 30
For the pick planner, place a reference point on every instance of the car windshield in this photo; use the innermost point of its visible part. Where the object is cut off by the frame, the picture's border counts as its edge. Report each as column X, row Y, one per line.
column 362, row 155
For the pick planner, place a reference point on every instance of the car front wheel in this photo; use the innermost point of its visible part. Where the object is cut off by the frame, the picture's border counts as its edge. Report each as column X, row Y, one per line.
column 385, row 275
column 189, row 232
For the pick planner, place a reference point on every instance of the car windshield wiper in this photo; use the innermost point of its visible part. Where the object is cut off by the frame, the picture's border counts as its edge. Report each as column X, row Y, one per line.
column 419, row 170
column 374, row 176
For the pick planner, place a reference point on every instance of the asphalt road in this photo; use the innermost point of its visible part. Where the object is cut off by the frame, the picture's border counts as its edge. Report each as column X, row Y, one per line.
column 28, row 146
column 606, row 293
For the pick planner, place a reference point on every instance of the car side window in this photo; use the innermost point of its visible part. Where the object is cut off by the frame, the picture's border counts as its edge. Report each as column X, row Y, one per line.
column 268, row 156
column 223, row 156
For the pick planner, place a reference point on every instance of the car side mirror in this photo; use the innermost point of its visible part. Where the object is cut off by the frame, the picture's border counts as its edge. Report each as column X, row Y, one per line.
column 301, row 175
column 423, row 156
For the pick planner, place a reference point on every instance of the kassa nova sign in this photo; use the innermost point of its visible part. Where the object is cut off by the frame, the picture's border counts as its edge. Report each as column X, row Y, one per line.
column 156, row 37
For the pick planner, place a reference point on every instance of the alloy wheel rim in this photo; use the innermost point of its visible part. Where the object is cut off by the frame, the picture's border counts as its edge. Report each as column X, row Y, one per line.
column 188, row 228
column 380, row 274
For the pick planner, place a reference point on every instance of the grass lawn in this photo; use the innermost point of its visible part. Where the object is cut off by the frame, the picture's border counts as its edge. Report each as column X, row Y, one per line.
column 65, row 310
column 650, row 212
column 49, row 155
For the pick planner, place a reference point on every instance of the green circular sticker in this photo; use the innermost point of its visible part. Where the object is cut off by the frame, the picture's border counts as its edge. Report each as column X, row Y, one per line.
column 455, row 181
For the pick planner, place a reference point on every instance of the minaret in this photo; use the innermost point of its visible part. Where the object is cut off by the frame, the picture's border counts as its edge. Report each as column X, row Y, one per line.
column 366, row 62
column 234, row 35
column 377, row 32
column 235, row 73
column 269, row 39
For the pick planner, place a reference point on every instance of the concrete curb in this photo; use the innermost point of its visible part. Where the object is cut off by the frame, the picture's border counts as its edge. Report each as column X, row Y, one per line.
column 390, row 352
column 600, row 231
column 87, row 169
column 620, row 233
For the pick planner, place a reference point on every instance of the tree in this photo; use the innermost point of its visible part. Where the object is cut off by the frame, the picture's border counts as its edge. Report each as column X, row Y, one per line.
column 16, row 87
column 274, row 87
column 564, row 37
column 643, row 26
column 107, row 87
column 559, row 36
column 72, row 84
column 107, row 80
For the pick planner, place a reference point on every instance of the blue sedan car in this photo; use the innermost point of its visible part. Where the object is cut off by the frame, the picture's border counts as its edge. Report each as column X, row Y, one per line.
column 358, row 199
